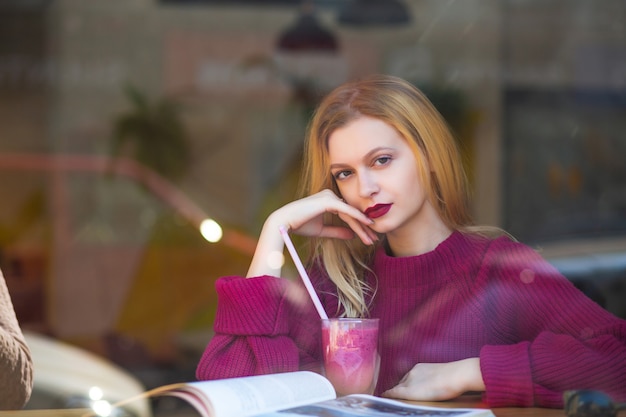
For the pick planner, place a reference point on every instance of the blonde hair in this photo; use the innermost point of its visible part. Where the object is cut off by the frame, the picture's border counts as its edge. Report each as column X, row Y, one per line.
column 405, row 108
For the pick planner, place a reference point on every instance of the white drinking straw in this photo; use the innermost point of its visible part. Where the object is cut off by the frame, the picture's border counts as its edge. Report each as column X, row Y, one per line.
column 302, row 271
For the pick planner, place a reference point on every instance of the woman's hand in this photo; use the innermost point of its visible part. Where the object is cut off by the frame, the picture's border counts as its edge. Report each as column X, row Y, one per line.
column 306, row 217
column 439, row 381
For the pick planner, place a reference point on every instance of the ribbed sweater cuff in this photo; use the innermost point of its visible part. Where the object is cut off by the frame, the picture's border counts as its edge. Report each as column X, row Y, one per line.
column 251, row 306
column 506, row 374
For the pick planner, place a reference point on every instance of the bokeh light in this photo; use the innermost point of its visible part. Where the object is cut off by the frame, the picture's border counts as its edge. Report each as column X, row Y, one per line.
column 275, row 260
column 211, row 230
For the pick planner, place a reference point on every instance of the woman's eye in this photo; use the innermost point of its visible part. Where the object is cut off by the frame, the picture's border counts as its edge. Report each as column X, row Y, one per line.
column 382, row 160
column 340, row 175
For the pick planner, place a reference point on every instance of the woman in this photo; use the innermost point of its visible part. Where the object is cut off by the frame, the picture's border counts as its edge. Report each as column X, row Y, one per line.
column 461, row 308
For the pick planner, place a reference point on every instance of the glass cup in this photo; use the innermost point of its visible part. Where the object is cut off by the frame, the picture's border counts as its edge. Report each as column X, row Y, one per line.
column 350, row 351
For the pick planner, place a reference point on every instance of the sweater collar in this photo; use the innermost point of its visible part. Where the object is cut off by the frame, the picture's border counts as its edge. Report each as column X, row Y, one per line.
column 437, row 266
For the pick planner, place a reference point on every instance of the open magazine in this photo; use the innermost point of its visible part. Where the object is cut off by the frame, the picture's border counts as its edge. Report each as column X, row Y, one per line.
column 292, row 394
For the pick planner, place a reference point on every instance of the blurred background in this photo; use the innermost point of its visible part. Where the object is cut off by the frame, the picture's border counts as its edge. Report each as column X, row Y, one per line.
column 124, row 124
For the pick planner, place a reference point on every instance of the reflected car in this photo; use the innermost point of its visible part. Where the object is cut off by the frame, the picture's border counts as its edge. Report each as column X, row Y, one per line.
column 597, row 266
column 66, row 376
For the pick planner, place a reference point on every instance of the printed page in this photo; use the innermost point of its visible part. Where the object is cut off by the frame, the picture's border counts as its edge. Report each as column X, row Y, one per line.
column 248, row 396
column 369, row 406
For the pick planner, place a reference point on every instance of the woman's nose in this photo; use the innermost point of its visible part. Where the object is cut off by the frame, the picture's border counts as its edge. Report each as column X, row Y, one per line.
column 367, row 185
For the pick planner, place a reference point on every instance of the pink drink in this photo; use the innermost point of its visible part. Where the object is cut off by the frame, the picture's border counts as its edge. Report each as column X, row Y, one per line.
column 350, row 348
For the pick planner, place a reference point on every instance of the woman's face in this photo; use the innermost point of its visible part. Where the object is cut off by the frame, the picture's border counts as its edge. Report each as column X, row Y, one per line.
column 376, row 172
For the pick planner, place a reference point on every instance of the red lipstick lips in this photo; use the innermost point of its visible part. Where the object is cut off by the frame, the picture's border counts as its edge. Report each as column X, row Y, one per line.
column 377, row 210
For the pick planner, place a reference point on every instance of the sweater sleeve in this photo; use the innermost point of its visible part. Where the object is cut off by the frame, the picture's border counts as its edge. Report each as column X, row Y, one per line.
column 16, row 367
column 553, row 338
column 263, row 325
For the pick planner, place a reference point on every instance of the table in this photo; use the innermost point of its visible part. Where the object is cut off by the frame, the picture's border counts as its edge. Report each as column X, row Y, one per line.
column 499, row 412
column 463, row 402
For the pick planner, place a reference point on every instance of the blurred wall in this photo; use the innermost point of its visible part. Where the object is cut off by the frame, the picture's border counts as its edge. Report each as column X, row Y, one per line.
column 242, row 104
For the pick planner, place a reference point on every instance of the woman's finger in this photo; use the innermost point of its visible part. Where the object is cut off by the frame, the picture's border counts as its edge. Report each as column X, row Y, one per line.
column 358, row 228
column 337, row 232
column 306, row 218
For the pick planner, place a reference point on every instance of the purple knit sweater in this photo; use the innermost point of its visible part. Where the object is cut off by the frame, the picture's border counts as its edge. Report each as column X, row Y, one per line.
column 535, row 333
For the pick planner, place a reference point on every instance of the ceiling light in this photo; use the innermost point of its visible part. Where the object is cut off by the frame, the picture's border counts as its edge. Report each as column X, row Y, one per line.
column 374, row 13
